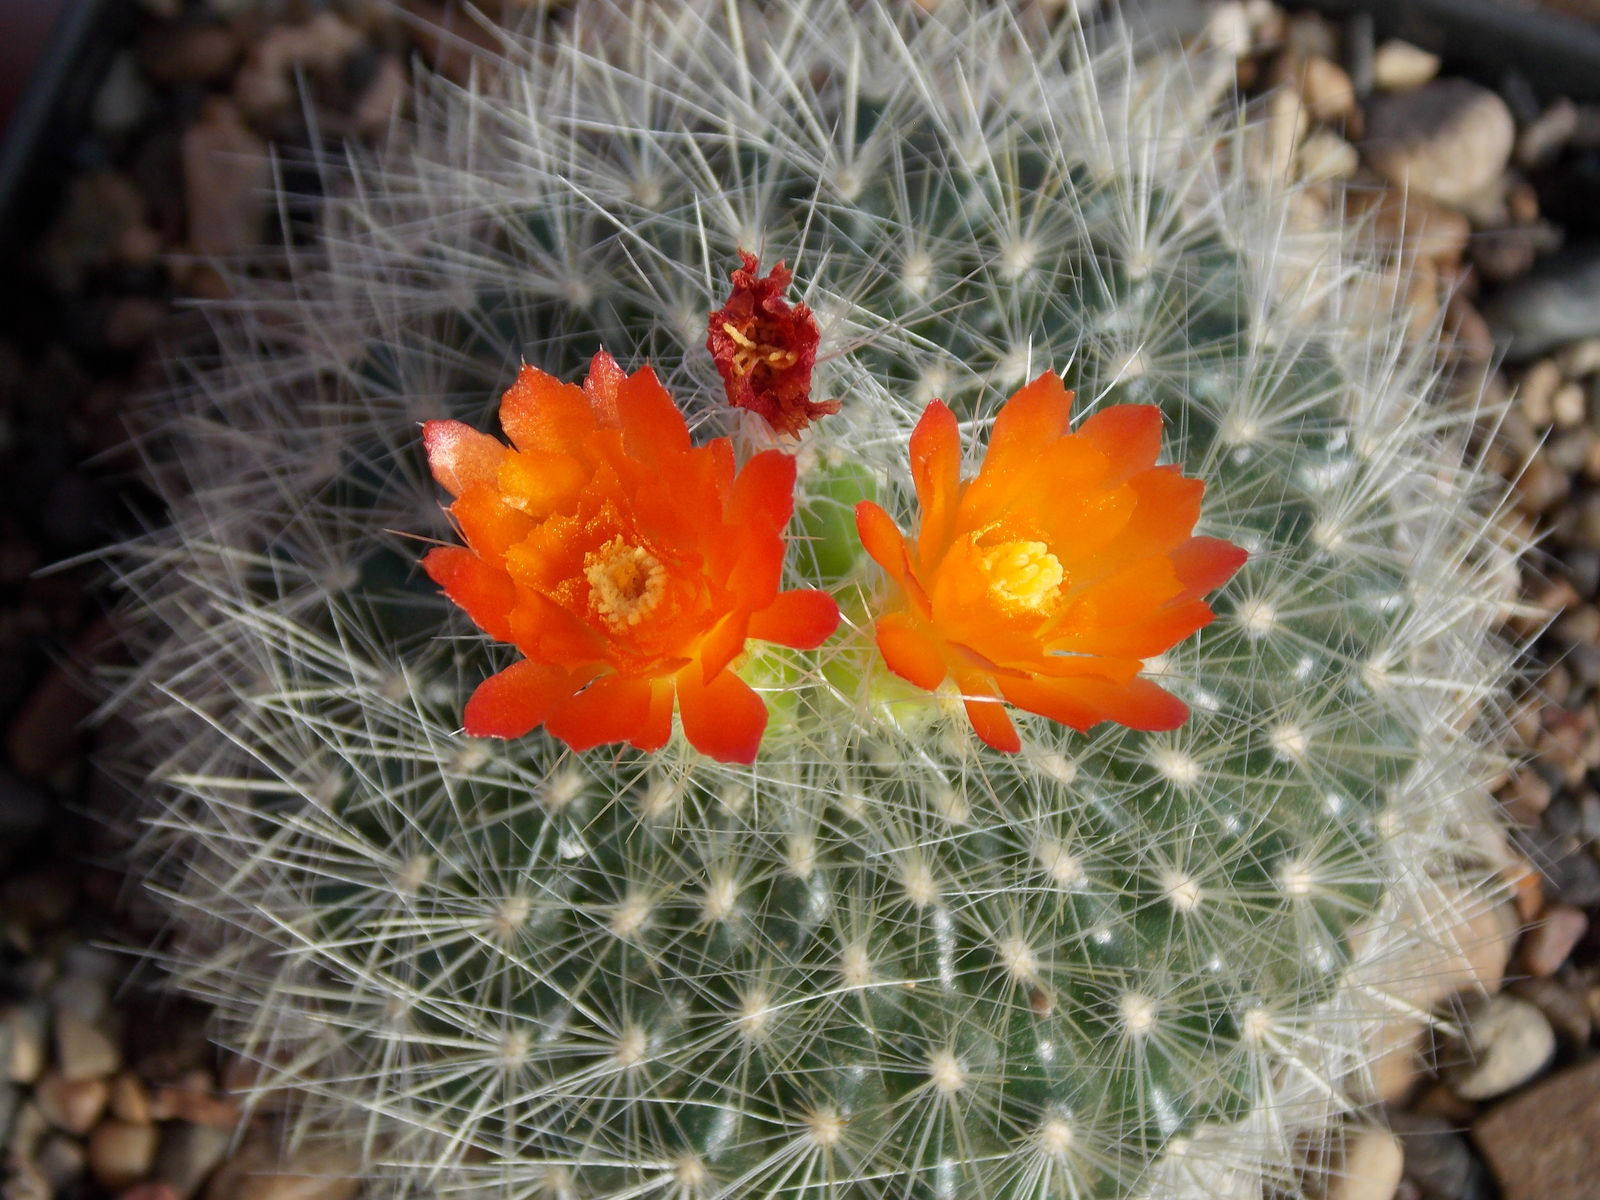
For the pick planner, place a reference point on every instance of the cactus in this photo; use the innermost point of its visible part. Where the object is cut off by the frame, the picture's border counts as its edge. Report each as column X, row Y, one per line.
column 884, row 960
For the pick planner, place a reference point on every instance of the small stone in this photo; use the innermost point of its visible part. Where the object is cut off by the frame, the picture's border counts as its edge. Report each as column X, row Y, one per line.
column 1569, row 406
column 188, row 1155
column 382, row 98
column 1227, row 29
column 225, row 177
column 1370, row 1168
column 1325, row 155
column 1328, row 94
column 1397, row 1059
column 1556, row 303
column 259, row 1172
column 72, row 1105
column 1448, row 140
column 1563, row 1161
column 1509, row 1041
column 122, row 100
column 1538, row 386
column 1580, row 358
column 82, row 1050
column 1541, row 140
column 60, row 1160
column 195, row 1102
column 121, row 1153
column 26, row 1029
column 1506, row 253
column 1311, row 35
column 263, row 86
column 1399, row 66
column 130, row 1101
column 1437, row 1158
column 1549, row 943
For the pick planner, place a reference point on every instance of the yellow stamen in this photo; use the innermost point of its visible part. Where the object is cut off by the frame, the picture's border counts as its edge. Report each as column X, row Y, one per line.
column 626, row 582
column 752, row 354
column 1023, row 575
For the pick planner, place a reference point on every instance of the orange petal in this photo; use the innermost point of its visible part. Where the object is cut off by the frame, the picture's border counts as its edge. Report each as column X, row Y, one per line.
column 1032, row 419
column 1080, row 703
column 1205, row 563
column 489, row 525
column 763, row 492
column 724, row 641
column 651, row 424
column 458, row 455
column 545, row 630
column 910, row 653
column 540, row 482
column 487, row 595
column 803, row 618
column 601, row 384
column 539, row 412
column 936, row 472
column 882, row 540
column 1128, row 434
column 988, row 715
column 722, row 717
column 518, row 699
column 611, row 709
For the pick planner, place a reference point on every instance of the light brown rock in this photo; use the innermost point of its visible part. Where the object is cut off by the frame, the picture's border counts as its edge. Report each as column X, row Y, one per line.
column 1548, row 944
column 1370, row 1168
column 1563, row 1161
column 1449, row 140
column 72, row 1105
column 264, row 84
column 120, row 1153
column 225, row 178
column 258, row 1172
column 24, row 1029
column 130, row 1101
column 1326, row 90
column 83, row 1051
column 1508, row 1042
column 1399, row 66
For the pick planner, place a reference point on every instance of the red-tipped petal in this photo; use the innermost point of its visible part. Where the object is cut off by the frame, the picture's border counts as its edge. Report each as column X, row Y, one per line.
column 803, row 618
column 1031, row 420
column 936, row 472
column 908, row 652
column 458, row 455
column 517, row 700
column 722, row 717
column 611, row 709
column 881, row 538
column 1128, row 434
column 604, row 380
column 487, row 595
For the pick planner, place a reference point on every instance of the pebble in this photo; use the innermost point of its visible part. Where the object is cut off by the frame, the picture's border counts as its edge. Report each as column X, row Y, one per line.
column 60, row 1160
column 261, row 1172
column 1437, row 1159
column 1569, row 406
column 264, row 86
column 1541, row 139
column 1509, row 1042
column 1397, row 1059
column 188, row 1154
column 1538, row 386
column 72, row 1105
column 1549, row 943
column 1370, row 1169
column 130, row 1101
column 225, row 177
column 1328, row 94
column 1563, row 1004
column 1325, row 155
column 1563, row 1161
column 175, row 55
column 122, row 100
column 1580, row 358
column 1558, row 302
column 26, row 1027
column 1399, row 66
column 121, row 1153
column 82, row 1050
column 1448, row 140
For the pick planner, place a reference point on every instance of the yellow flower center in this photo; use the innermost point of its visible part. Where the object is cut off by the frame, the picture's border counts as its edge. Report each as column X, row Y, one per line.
column 752, row 353
column 1023, row 575
column 626, row 582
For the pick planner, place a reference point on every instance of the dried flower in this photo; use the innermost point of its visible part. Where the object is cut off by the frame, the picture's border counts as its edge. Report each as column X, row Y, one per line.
column 765, row 348
column 626, row 565
column 1048, row 579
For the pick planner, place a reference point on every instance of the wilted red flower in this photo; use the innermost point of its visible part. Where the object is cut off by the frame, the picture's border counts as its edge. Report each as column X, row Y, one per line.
column 765, row 348
column 627, row 565
column 1049, row 578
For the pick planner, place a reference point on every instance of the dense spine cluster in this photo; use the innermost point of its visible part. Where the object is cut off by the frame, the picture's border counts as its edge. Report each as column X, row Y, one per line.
column 883, row 961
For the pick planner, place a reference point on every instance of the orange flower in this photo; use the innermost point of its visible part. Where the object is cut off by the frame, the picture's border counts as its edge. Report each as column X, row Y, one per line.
column 1048, row 579
column 628, row 566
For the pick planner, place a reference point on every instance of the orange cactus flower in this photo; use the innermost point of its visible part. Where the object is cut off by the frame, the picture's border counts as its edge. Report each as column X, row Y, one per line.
column 628, row 566
column 1048, row 579
column 765, row 348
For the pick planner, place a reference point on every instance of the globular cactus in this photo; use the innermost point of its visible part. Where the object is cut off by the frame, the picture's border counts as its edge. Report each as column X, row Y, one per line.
column 883, row 960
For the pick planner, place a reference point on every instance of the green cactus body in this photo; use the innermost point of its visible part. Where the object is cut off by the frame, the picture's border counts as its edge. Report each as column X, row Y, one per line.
column 884, row 961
